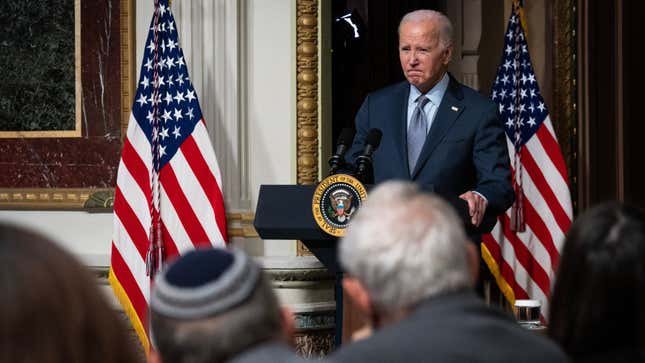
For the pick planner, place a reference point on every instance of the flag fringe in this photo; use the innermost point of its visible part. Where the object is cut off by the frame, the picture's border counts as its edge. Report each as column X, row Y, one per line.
column 122, row 296
column 504, row 287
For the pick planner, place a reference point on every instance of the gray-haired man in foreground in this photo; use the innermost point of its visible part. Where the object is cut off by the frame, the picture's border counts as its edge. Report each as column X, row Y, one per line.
column 216, row 306
column 411, row 272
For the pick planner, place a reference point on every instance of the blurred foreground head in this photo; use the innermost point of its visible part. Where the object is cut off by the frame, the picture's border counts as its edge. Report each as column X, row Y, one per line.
column 51, row 309
column 598, row 303
column 211, row 305
column 405, row 246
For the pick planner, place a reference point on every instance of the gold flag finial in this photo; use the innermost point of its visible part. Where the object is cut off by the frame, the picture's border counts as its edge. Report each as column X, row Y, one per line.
column 517, row 5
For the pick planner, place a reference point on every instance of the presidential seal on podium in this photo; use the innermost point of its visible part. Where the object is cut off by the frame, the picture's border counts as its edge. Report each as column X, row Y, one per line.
column 335, row 200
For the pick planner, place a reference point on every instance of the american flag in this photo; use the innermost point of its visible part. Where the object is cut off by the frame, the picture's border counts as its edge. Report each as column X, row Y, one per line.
column 523, row 249
column 168, row 198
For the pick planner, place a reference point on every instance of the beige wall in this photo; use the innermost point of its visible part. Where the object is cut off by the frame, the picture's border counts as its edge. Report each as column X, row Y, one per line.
column 479, row 29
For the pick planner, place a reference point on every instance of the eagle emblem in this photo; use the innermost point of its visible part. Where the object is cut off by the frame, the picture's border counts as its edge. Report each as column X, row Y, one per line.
column 335, row 200
column 341, row 207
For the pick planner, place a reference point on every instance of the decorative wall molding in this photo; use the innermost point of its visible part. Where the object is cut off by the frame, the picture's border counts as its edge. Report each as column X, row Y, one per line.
column 564, row 91
column 128, row 61
column 57, row 198
column 315, row 344
column 307, row 96
column 301, row 250
column 307, row 90
column 240, row 224
column 282, row 277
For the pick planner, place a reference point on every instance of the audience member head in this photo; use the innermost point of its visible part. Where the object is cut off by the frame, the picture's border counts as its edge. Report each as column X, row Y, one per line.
column 425, row 47
column 211, row 305
column 402, row 247
column 598, row 302
column 51, row 309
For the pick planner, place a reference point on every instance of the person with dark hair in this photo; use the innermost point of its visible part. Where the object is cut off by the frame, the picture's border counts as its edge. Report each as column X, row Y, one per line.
column 215, row 305
column 598, row 303
column 51, row 309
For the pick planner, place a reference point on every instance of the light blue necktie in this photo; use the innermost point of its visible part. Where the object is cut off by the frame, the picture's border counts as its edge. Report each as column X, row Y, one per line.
column 417, row 132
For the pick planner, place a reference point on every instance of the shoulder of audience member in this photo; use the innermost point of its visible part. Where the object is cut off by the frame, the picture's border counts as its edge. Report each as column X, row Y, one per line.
column 526, row 346
column 617, row 355
column 547, row 349
column 268, row 353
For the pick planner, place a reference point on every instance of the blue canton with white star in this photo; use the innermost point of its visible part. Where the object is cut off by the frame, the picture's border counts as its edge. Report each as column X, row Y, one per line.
column 516, row 90
column 178, row 108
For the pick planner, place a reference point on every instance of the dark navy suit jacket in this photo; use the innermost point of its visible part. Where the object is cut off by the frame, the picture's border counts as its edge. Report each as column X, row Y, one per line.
column 453, row 327
column 270, row 352
column 465, row 148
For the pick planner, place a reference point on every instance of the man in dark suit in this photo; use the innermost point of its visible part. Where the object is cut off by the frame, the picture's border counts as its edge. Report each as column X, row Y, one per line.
column 411, row 272
column 440, row 134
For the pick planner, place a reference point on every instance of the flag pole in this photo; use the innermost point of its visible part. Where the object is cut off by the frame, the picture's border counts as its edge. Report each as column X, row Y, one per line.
column 154, row 257
column 517, row 210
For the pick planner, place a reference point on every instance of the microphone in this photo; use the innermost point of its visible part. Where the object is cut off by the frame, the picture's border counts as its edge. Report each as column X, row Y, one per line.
column 337, row 161
column 364, row 171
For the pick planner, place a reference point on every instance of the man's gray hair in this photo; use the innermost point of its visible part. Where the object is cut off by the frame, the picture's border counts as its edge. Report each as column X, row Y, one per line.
column 444, row 25
column 405, row 246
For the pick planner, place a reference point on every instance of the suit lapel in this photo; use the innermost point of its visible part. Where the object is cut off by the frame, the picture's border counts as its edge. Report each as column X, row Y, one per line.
column 449, row 110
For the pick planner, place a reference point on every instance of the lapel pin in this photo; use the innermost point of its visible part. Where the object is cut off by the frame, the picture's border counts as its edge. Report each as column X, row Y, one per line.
column 454, row 108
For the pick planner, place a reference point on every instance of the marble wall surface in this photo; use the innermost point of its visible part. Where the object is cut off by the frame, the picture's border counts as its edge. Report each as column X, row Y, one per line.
column 91, row 158
column 37, row 62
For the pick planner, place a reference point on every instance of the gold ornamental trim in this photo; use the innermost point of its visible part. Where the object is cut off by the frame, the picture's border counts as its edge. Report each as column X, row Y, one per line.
column 335, row 199
column 564, row 116
column 307, row 138
column 307, row 91
column 128, row 71
column 57, row 198
column 240, row 224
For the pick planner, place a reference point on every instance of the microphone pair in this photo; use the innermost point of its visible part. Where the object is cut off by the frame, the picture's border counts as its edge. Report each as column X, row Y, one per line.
column 363, row 168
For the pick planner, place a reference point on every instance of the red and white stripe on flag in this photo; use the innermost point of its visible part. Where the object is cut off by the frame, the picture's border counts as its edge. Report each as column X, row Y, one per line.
column 524, row 262
column 166, row 119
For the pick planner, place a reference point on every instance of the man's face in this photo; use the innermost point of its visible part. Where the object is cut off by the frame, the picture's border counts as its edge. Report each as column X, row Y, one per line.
column 423, row 59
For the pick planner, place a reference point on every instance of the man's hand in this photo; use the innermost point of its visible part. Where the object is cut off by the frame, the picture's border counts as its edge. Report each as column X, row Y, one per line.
column 476, row 206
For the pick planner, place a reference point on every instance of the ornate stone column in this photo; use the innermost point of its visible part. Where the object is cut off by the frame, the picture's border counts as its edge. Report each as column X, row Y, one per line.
column 304, row 285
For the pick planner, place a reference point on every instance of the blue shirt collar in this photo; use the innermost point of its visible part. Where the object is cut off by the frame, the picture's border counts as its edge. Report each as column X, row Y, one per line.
column 435, row 95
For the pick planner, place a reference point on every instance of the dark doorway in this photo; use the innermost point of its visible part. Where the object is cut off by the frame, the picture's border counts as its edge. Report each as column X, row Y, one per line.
column 364, row 51
column 634, row 123
column 612, row 124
